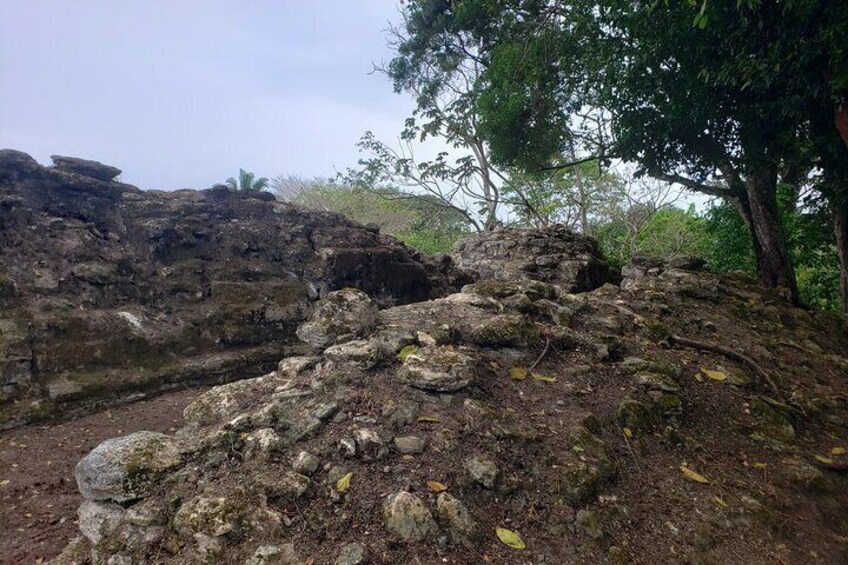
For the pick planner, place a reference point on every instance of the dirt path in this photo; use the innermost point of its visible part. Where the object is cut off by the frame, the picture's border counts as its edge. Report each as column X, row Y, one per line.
column 38, row 494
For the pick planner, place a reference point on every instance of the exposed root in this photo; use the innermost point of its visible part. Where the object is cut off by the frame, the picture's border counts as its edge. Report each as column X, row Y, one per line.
column 541, row 355
column 731, row 354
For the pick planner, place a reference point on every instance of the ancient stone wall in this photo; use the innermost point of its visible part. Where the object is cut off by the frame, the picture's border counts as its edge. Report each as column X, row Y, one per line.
column 107, row 290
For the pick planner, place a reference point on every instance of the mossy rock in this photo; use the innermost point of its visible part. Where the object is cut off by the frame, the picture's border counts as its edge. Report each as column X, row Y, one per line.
column 772, row 424
column 636, row 416
column 506, row 330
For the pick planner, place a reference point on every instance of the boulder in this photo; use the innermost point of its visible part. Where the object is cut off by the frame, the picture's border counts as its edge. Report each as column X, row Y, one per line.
column 126, row 468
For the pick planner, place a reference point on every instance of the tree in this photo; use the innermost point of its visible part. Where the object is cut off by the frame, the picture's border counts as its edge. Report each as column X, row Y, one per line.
column 659, row 72
column 247, row 181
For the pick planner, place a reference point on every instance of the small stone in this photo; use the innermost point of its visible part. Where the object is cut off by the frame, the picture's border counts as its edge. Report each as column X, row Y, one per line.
column 264, row 442
column 635, row 415
column 291, row 367
column 455, row 517
column 587, row 523
column 210, row 516
column 352, row 554
column 359, row 352
column 482, row 470
column 406, row 517
column 410, row 445
column 274, row 555
column 98, row 520
column 325, row 411
column 505, row 330
column 305, row 463
column 347, row 447
column 369, row 444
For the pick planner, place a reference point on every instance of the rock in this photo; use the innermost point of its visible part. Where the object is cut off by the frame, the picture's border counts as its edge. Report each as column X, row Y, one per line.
column 274, row 555
column 636, row 416
column 410, row 445
column 305, row 463
column 658, row 381
column 126, row 468
column 584, row 468
column 98, row 520
column 587, row 522
column 506, row 330
column 347, row 447
column 264, row 442
column 93, row 169
column 437, row 369
column 772, row 424
column 551, row 254
column 12, row 161
column 210, row 516
column 360, row 352
column 344, row 314
column 369, row 445
column 352, row 554
column 292, row 367
column 456, row 519
column 483, row 471
column 407, row 518
column 78, row 549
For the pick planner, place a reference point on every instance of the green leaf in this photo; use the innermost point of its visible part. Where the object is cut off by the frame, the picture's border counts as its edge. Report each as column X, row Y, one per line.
column 407, row 351
column 344, row 483
column 510, row 538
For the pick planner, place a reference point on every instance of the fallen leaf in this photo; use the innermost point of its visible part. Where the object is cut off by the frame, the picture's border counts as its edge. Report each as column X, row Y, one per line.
column 692, row 475
column 4, row 482
column 627, row 432
column 430, row 419
column 407, row 351
column 344, row 483
column 714, row 375
column 699, row 378
column 545, row 378
column 838, row 451
column 718, row 500
column 510, row 538
column 760, row 465
column 436, row 486
column 518, row 373
column 825, row 460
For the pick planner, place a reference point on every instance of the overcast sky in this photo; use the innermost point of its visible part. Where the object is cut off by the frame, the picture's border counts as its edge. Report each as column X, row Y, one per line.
column 181, row 93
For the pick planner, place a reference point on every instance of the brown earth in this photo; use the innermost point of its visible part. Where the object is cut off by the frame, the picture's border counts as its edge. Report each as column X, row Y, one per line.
column 38, row 506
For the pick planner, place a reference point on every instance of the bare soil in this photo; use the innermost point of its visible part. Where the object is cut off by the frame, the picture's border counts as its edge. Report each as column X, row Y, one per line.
column 38, row 505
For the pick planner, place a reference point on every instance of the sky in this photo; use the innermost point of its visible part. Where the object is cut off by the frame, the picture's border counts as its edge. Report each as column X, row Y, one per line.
column 182, row 93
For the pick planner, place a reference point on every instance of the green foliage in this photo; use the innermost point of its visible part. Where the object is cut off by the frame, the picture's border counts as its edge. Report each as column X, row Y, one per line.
column 419, row 221
column 247, row 181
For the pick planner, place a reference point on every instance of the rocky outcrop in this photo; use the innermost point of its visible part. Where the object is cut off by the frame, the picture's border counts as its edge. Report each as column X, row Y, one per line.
column 555, row 255
column 599, row 439
column 108, row 292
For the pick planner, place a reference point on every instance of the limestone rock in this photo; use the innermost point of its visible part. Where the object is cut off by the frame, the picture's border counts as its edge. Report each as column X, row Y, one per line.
column 98, row 520
column 506, row 330
column 407, row 518
column 305, row 463
column 410, row 445
column 274, row 555
column 85, row 167
column 482, row 470
column 369, row 444
column 438, row 368
column 352, row 554
column 125, row 468
column 585, row 467
column 211, row 516
column 456, row 519
column 362, row 353
column 344, row 314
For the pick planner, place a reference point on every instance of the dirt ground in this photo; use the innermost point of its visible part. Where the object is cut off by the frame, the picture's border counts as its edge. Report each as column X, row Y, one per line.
column 38, row 495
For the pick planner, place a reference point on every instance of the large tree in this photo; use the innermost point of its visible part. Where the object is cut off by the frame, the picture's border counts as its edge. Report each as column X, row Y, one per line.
column 691, row 90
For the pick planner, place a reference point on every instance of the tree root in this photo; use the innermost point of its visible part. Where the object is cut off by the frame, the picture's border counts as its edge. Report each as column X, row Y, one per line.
column 731, row 354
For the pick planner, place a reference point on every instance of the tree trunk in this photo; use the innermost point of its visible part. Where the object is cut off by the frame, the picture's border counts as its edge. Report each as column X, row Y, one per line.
column 774, row 264
column 840, row 225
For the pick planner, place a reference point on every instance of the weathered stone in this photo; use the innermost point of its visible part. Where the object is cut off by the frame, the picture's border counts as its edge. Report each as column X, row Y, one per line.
column 406, row 517
column 410, row 445
column 305, row 463
column 264, row 442
column 362, row 353
column 438, row 368
column 506, row 330
column 274, row 555
column 636, row 416
column 456, row 519
column 482, row 470
column 587, row 522
column 211, row 516
column 369, row 445
column 98, row 520
column 292, row 367
column 772, row 424
column 125, row 468
column 352, row 554
column 93, row 169
column 585, row 468
column 345, row 312
column 658, row 381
